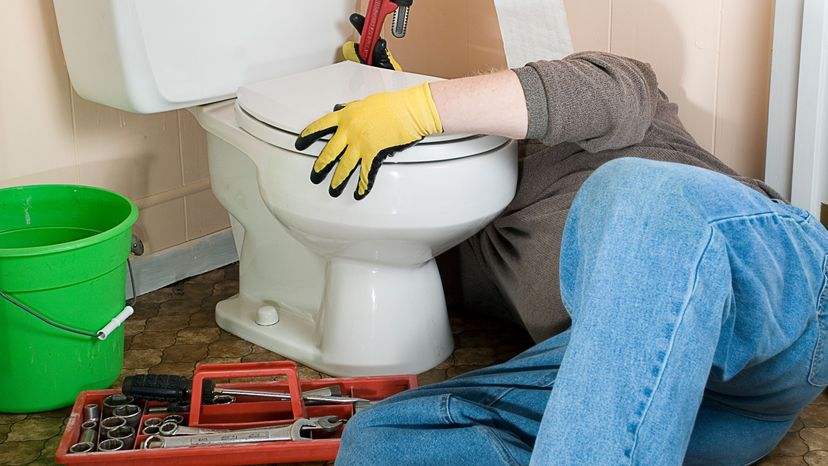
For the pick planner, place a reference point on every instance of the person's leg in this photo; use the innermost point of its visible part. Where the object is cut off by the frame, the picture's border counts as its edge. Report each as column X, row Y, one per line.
column 679, row 279
column 486, row 417
column 491, row 416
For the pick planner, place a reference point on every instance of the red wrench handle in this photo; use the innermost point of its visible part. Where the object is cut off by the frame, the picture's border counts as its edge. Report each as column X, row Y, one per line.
column 374, row 19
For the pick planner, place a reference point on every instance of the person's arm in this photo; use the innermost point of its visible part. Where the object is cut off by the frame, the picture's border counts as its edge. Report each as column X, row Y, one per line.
column 486, row 104
column 596, row 100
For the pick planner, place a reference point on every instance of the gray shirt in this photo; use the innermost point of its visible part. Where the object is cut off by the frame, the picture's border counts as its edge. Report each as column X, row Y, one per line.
column 584, row 110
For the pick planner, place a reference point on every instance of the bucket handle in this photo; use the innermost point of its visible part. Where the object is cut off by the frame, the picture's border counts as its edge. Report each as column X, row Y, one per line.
column 101, row 334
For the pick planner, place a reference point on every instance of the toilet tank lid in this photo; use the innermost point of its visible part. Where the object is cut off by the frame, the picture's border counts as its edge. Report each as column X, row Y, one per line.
column 290, row 103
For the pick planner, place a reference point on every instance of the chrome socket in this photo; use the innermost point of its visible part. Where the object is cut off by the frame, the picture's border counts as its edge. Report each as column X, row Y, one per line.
column 81, row 447
column 91, row 412
column 113, row 401
column 130, row 413
column 125, row 434
column 111, row 423
column 111, row 445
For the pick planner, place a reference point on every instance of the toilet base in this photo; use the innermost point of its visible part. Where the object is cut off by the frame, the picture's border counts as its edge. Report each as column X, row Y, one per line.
column 375, row 320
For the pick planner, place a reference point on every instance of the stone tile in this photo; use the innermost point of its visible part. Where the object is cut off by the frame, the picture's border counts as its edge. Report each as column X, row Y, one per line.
column 207, row 279
column 203, row 319
column 209, row 303
column 231, row 272
column 797, row 425
column 308, row 373
column 225, row 335
column 13, row 453
column 196, row 290
column 448, row 362
column 815, row 437
column 5, row 428
column 783, row 461
column 507, row 352
column 137, row 359
column 61, row 413
column 822, row 398
column 197, row 336
column 133, row 327
column 815, row 415
column 218, row 361
column 179, row 368
column 474, row 356
column 185, row 306
column 817, row 458
column 47, row 455
column 157, row 296
column 226, row 288
column 259, row 349
column 168, row 323
column 791, row 445
column 432, row 376
column 184, row 353
column 35, row 429
column 153, row 340
column 144, row 311
column 230, row 348
column 261, row 357
column 457, row 370
column 11, row 418
column 475, row 340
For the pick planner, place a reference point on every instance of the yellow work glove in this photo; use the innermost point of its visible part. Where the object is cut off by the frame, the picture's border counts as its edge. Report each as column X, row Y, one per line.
column 367, row 131
column 382, row 56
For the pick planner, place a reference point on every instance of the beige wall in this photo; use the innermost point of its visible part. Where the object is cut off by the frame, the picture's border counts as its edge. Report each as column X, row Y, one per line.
column 712, row 57
column 50, row 135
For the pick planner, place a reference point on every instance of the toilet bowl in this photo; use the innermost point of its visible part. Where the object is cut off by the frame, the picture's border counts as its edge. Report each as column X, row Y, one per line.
column 346, row 287
column 363, row 293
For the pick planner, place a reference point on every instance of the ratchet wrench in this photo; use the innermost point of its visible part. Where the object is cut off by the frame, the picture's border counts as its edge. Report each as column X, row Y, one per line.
column 176, row 388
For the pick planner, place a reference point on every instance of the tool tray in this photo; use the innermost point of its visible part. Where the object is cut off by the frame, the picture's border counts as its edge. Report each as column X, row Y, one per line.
column 245, row 412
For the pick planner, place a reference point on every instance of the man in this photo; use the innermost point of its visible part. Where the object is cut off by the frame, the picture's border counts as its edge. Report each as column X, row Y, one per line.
column 696, row 297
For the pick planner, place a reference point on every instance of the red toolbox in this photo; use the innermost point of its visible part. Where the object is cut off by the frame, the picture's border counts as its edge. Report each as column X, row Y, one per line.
column 245, row 412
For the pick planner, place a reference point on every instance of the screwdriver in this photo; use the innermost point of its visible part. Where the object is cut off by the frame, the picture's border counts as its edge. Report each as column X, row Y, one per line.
column 175, row 388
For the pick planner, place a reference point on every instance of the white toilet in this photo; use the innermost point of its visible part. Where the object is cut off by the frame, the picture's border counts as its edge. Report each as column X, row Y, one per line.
column 347, row 287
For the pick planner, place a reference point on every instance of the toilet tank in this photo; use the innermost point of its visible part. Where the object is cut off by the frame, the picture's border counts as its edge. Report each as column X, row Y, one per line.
column 149, row 56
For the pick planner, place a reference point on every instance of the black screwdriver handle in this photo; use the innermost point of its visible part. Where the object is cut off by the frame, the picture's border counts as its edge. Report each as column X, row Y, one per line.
column 158, row 387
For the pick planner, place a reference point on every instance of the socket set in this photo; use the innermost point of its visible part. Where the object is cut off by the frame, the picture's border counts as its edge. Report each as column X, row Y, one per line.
column 269, row 417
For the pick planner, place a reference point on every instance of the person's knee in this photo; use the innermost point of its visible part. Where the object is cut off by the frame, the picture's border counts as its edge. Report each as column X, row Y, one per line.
column 631, row 178
column 363, row 441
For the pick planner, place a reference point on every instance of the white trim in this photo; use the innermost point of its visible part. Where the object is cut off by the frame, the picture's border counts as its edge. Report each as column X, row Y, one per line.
column 787, row 35
column 797, row 146
column 808, row 183
column 186, row 260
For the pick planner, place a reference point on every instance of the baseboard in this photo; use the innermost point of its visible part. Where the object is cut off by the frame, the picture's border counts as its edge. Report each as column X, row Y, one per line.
column 186, row 260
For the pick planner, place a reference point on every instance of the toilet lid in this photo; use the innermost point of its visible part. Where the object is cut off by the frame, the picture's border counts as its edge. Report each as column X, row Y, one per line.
column 277, row 110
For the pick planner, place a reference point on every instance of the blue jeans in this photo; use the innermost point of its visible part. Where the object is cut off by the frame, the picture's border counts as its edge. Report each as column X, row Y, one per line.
column 699, row 329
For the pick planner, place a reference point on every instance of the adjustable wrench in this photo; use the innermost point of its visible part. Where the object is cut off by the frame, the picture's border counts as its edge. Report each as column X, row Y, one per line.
column 170, row 429
column 296, row 431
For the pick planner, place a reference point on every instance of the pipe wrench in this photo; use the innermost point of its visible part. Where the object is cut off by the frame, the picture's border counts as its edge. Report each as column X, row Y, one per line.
column 378, row 10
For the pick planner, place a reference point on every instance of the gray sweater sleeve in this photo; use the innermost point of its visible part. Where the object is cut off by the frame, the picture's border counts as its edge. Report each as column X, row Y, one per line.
column 596, row 100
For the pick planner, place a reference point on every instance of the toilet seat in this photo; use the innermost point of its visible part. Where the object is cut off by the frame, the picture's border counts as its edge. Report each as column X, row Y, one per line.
column 275, row 111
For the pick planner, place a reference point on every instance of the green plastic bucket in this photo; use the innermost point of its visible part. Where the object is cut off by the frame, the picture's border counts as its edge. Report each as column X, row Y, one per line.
column 63, row 254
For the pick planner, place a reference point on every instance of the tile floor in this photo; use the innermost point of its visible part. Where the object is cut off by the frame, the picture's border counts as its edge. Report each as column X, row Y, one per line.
column 173, row 330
